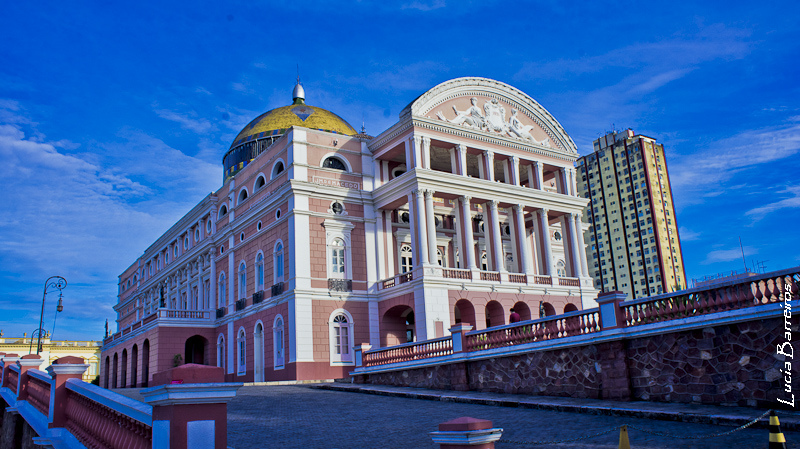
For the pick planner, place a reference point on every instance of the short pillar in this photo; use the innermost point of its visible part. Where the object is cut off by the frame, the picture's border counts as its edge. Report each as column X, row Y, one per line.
column 8, row 361
column 611, row 316
column 187, row 413
column 25, row 363
column 359, row 353
column 458, row 332
column 60, row 370
column 466, row 433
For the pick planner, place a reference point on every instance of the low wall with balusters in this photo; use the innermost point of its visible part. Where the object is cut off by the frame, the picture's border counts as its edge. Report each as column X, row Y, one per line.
column 712, row 345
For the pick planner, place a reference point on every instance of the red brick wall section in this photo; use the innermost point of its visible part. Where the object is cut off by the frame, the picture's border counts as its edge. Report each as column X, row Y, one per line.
column 733, row 364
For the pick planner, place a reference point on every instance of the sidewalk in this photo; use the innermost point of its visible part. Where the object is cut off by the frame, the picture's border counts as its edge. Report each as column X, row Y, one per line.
column 663, row 411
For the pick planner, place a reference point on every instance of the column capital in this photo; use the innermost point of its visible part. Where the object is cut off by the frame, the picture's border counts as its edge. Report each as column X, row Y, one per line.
column 514, row 158
column 466, row 198
column 426, row 140
column 518, row 208
column 418, row 192
column 461, row 147
column 428, row 193
column 544, row 210
column 494, row 203
column 489, row 153
column 537, row 164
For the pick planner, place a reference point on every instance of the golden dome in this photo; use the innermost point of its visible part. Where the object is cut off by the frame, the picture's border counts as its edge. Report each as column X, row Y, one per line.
column 279, row 120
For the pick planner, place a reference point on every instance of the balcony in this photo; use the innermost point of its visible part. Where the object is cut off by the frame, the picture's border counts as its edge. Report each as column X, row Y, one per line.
column 460, row 275
column 277, row 289
column 220, row 312
column 340, row 285
column 241, row 304
column 258, row 296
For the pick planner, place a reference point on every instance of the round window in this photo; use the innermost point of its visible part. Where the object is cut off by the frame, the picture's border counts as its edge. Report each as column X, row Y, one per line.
column 186, row 243
column 241, row 237
column 197, row 234
column 258, row 226
column 277, row 214
column 175, row 251
column 221, row 249
column 208, row 226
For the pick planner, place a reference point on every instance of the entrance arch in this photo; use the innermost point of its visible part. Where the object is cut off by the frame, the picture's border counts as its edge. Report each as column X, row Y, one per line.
column 105, row 373
column 195, row 349
column 114, row 371
column 464, row 312
column 546, row 309
column 124, row 381
column 523, row 310
column 258, row 353
column 145, row 363
column 397, row 326
column 495, row 316
column 134, row 365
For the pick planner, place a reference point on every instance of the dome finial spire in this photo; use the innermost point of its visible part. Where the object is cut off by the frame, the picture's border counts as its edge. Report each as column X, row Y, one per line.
column 298, row 94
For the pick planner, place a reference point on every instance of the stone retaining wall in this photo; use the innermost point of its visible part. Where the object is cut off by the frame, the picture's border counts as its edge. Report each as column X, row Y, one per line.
column 732, row 364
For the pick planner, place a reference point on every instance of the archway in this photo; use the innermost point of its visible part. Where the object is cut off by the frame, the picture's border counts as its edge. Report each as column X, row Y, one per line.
column 105, row 373
column 258, row 353
column 124, row 380
column 114, row 371
column 397, row 326
column 134, row 365
column 494, row 314
column 195, row 349
column 464, row 312
column 546, row 309
column 145, row 363
column 572, row 323
column 523, row 310
column 570, row 308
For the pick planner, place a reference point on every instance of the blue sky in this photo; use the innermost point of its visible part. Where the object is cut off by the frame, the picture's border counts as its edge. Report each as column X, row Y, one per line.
column 114, row 119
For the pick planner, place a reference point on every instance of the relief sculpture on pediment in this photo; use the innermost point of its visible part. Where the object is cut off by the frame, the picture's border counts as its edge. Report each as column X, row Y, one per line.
column 493, row 119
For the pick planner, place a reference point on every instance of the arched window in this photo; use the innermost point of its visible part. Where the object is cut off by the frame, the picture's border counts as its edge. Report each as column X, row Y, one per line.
column 221, row 352
column 223, row 290
column 242, row 281
column 260, row 182
column 260, row 272
column 561, row 269
column 222, row 211
column 334, row 163
column 406, row 258
column 278, row 262
column 341, row 337
column 242, row 196
column 336, row 255
column 484, row 262
column 277, row 169
column 241, row 343
column 277, row 342
column 440, row 258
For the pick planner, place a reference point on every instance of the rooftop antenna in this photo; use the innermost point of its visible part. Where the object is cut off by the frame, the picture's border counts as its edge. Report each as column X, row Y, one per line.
column 743, row 259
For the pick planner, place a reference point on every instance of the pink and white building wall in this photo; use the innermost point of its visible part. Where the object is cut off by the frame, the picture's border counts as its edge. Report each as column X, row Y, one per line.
column 321, row 239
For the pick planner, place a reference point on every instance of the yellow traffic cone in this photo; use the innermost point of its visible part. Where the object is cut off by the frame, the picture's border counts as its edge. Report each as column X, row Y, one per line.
column 625, row 444
column 776, row 439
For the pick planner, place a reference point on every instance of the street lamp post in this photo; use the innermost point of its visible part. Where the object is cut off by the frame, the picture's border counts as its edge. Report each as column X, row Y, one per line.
column 53, row 282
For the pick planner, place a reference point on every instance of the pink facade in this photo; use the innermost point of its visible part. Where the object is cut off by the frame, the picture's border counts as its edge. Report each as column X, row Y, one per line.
column 319, row 241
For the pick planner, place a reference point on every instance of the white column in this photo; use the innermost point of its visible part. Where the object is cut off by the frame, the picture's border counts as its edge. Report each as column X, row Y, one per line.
column 384, row 171
column 413, row 226
column 563, row 180
column 488, row 157
column 213, row 287
column 522, row 242
column 462, row 158
column 409, row 154
column 469, row 239
column 507, row 172
column 232, row 277
column 426, row 152
column 416, row 151
column 497, row 238
column 544, row 226
column 431, row 225
column 422, row 237
column 573, row 181
column 515, row 170
column 531, row 177
column 577, row 265
column 380, row 243
column 459, row 259
column 538, row 170
column 388, row 240
column 453, row 161
column 582, row 247
column 371, row 229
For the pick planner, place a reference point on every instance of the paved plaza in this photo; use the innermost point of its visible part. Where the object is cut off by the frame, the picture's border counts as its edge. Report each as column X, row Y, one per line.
column 305, row 417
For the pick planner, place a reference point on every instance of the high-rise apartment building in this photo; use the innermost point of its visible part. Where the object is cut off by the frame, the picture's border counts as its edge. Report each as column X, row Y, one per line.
column 632, row 237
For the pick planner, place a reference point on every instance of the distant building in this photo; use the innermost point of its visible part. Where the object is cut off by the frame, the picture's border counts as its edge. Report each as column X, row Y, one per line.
column 722, row 278
column 322, row 238
column 632, row 235
column 54, row 349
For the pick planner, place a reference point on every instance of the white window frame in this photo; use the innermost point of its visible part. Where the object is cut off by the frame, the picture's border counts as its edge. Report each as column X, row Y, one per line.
column 256, row 188
column 242, row 275
column 337, row 156
column 259, row 264
column 222, row 297
column 278, row 262
column 221, row 351
column 241, row 352
column 239, row 199
column 272, row 174
column 338, row 230
column 345, row 355
column 278, row 343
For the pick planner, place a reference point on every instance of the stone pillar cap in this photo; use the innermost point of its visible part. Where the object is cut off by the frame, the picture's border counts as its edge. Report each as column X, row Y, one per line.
column 465, row 423
column 460, row 327
column 611, row 296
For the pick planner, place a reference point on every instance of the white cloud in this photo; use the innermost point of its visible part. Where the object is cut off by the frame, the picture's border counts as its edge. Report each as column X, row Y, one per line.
column 424, row 5
column 687, row 235
column 187, row 121
column 792, row 202
column 727, row 255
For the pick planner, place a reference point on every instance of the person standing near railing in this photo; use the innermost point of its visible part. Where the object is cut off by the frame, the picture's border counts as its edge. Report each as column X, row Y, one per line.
column 514, row 317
